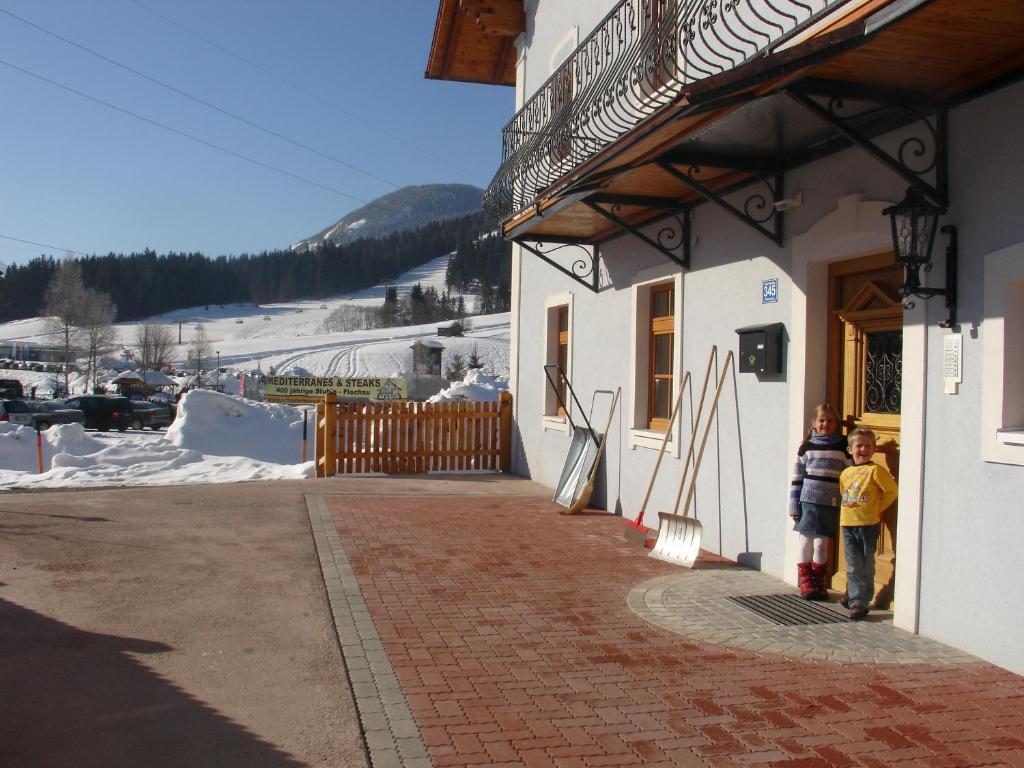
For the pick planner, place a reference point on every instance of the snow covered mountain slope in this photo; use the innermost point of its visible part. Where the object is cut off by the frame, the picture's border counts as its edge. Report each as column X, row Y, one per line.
column 405, row 208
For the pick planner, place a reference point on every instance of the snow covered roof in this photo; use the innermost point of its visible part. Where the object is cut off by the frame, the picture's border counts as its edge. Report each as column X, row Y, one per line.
column 153, row 378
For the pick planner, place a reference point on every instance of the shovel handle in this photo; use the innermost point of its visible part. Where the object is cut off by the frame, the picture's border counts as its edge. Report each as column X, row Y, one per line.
column 726, row 367
column 688, row 456
column 661, row 452
column 572, row 392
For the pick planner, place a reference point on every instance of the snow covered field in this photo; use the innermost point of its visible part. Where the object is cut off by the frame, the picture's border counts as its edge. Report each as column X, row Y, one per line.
column 219, row 438
column 288, row 336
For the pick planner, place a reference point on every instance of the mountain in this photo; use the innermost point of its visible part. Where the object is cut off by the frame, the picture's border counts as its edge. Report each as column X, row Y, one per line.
column 403, row 209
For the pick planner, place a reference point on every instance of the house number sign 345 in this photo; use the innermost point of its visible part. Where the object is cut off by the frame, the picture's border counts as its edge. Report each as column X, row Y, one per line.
column 770, row 291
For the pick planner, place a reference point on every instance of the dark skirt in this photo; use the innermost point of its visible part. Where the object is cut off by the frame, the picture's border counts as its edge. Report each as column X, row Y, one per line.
column 817, row 520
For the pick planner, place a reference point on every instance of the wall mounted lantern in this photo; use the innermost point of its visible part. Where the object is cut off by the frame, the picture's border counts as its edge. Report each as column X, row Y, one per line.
column 914, row 221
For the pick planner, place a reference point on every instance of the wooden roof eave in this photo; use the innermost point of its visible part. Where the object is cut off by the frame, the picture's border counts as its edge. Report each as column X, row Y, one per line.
column 474, row 43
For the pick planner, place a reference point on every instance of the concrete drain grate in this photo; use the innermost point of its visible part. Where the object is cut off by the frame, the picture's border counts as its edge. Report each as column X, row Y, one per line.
column 788, row 610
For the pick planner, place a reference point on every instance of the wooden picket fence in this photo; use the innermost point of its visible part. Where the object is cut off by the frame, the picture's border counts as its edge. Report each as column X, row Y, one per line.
column 413, row 438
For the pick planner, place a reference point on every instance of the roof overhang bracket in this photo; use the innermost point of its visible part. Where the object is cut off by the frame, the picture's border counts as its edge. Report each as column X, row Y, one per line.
column 921, row 159
column 757, row 209
column 672, row 243
column 584, row 270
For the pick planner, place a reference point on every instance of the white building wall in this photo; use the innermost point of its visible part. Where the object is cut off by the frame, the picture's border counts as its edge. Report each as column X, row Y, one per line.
column 955, row 583
column 971, row 561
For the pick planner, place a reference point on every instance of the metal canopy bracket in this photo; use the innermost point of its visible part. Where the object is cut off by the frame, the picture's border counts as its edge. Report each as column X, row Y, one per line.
column 917, row 156
column 757, row 210
column 673, row 244
column 583, row 269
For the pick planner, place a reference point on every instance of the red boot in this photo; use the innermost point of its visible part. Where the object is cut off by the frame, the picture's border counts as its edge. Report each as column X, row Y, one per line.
column 805, row 580
column 819, row 575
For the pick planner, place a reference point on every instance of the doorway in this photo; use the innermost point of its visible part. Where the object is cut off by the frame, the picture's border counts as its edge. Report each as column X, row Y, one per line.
column 865, row 382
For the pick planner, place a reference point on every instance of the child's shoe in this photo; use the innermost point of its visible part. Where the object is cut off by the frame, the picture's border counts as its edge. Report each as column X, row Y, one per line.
column 858, row 612
column 819, row 577
column 805, row 580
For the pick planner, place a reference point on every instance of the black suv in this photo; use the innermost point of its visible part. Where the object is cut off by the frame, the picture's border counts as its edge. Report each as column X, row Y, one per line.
column 103, row 412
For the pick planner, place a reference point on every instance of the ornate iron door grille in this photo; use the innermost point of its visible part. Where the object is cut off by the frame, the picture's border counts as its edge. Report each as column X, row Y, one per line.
column 883, row 374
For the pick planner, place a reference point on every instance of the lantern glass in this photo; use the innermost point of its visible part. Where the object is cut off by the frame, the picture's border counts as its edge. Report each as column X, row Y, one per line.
column 914, row 221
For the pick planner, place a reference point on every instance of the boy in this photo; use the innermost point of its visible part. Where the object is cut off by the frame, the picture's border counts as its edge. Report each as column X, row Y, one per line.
column 868, row 490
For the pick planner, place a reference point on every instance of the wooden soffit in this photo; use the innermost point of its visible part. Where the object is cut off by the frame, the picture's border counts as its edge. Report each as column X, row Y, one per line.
column 938, row 51
column 474, row 41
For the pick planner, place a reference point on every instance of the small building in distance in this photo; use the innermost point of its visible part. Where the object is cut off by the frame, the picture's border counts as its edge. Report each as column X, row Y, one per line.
column 455, row 329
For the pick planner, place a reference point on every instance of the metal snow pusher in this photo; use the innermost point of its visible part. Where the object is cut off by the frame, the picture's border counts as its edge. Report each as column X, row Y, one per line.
column 679, row 536
column 579, row 472
column 584, row 494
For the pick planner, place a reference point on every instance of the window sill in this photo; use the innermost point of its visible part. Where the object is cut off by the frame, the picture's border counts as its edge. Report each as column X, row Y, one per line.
column 1011, row 436
column 555, row 423
column 648, row 438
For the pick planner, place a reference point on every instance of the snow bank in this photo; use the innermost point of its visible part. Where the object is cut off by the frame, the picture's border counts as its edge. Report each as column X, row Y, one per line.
column 216, row 439
column 475, row 385
column 219, row 425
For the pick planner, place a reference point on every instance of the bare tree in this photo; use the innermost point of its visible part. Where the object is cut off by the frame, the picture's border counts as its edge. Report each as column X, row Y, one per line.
column 349, row 318
column 97, row 331
column 153, row 347
column 63, row 305
column 199, row 349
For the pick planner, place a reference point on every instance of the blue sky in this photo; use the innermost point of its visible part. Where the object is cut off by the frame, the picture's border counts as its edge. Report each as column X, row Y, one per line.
column 343, row 77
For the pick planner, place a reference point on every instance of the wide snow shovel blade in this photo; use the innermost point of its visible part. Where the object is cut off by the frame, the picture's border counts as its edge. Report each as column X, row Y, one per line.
column 579, row 461
column 678, row 539
column 583, row 494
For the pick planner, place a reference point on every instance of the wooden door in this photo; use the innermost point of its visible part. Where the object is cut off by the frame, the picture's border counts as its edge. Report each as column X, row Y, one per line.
column 865, row 381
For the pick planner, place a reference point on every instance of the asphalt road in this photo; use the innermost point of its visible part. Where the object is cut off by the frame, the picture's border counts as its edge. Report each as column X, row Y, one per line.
column 177, row 626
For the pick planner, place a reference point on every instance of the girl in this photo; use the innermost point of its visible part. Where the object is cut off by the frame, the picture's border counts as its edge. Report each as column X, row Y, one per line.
column 814, row 498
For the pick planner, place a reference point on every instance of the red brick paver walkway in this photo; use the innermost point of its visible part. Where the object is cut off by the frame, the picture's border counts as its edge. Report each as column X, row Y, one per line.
column 508, row 629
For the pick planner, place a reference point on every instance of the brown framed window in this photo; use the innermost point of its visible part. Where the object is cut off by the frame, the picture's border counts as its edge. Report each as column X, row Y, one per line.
column 557, row 349
column 661, row 356
column 661, row 40
column 563, row 353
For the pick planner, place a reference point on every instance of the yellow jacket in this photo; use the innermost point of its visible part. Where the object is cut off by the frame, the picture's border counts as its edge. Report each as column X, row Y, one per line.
column 868, row 490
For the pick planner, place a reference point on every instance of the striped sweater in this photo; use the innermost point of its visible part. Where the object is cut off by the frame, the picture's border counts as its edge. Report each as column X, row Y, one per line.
column 819, row 462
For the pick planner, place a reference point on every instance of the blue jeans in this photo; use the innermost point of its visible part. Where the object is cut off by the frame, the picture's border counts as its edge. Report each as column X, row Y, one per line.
column 859, row 543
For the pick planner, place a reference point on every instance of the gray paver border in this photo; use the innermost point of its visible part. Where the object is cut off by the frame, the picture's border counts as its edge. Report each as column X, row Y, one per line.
column 695, row 604
column 390, row 734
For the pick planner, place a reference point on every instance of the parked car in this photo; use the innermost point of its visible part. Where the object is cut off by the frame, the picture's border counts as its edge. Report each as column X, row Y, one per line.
column 153, row 415
column 15, row 412
column 46, row 413
column 102, row 412
column 11, row 388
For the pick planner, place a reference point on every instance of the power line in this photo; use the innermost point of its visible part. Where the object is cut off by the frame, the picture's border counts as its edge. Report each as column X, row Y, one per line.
column 294, row 86
column 43, row 245
column 198, row 100
column 177, row 132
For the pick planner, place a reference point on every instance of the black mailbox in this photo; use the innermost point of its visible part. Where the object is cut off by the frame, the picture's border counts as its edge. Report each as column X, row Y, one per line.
column 761, row 348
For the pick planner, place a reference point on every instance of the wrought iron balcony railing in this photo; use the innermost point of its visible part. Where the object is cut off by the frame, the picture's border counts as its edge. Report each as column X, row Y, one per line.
column 638, row 59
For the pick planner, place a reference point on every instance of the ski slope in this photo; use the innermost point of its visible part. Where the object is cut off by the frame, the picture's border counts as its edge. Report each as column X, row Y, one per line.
column 288, row 337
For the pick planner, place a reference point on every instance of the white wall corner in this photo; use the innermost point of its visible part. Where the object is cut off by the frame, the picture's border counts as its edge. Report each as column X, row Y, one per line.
column 906, row 599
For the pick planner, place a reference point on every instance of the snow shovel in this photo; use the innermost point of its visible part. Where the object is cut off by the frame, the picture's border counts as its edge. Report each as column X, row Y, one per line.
column 583, row 496
column 635, row 531
column 679, row 536
column 583, row 449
